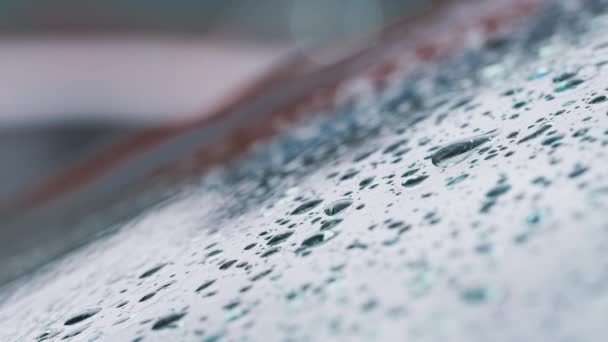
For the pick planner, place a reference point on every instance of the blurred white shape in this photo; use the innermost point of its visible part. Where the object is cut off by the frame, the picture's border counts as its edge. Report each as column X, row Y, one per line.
column 129, row 79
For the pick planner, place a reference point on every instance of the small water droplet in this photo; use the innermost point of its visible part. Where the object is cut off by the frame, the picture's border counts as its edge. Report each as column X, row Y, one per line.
column 168, row 321
column 270, row 252
column 152, row 270
column 414, row 181
column 578, row 170
column 250, row 246
column 566, row 85
column 457, row 179
column 598, row 99
column 261, row 275
column 48, row 334
column 367, row 181
column 319, row 239
column 147, row 296
column 460, row 150
column 304, row 207
column 82, row 316
column 499, row 190
column 410, row 172
column 330, row 224
column 484, row 248
column 338, row 206
column 474, row 295
column 279, row 238
column 535, row 134
column 227, row 264
column 552, row 139
column 205, row 285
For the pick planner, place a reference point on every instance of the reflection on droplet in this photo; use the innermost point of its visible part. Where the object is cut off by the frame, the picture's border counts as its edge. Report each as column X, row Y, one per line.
column 460, row 150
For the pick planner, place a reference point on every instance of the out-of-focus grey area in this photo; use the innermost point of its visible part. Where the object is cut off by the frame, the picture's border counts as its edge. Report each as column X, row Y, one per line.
column 78, row 75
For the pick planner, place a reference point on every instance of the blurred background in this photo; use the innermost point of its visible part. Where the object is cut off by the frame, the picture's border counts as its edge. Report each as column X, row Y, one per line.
column 77, row 76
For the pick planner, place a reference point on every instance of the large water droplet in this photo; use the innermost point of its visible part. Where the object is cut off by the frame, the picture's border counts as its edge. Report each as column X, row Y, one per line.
column 460, row 150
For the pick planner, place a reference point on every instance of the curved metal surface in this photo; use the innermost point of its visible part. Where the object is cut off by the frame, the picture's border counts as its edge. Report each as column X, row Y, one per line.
column 459, row 199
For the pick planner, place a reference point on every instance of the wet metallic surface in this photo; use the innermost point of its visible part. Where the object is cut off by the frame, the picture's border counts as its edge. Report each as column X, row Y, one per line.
column 507, row 243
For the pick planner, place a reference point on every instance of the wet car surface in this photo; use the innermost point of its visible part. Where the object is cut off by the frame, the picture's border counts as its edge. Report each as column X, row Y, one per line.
column 467, row 201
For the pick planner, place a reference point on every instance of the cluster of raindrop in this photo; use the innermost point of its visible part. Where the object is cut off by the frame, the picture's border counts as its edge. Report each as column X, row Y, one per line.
column 447, row 207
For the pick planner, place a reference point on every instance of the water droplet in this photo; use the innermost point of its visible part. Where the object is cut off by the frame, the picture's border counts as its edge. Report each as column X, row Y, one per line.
column 367, row 181
column 552, row 139
column 578, row 170
column 563, row 77
column 499, row 190
column 82, row 316
column 394, row 146
column 250, row 246
column 304, row 207
column 598, row 99
column 566, row 85
column 227, row 264
column 261, row 275
column 279, row 238
column 168, row 321
column 147, row 296
column 214, row 252
column 535, row 134
column 338, row 206
column 485, row 248
column 460, row 150
column 319, row 239
column 214, row 337
column 457, row 179
column 152, row 270
column 48, row 334
column 330, row 224
column 474, row 295
column 410, row 172
column 205, row 285
column 414, row 181
column 270, row 252
column 542, row 181
column 349, row 175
